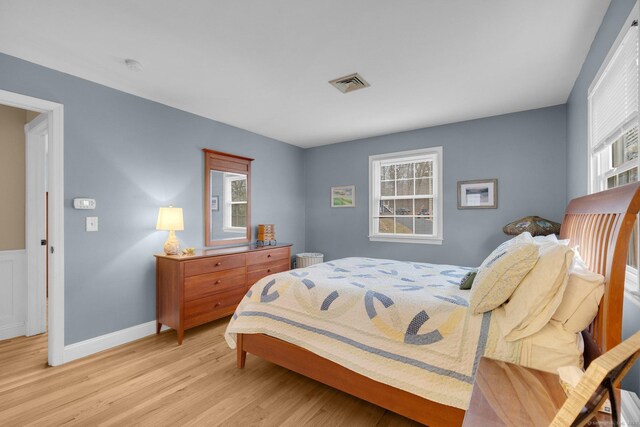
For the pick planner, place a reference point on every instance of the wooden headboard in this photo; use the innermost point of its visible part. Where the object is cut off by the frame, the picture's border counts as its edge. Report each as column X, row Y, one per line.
column 600, row 225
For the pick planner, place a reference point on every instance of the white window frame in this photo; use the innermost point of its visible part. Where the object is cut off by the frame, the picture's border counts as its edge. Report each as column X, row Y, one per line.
column 598, row 182
column 434, row 154
column 228, row 203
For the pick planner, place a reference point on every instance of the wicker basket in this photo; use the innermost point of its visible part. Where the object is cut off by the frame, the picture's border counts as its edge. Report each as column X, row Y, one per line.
column 307, row 259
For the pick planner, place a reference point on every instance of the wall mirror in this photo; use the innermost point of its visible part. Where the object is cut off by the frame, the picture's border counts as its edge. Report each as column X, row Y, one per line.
column 227, row 205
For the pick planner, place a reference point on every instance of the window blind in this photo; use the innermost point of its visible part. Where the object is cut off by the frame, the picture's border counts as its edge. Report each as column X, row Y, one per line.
column 614, row 98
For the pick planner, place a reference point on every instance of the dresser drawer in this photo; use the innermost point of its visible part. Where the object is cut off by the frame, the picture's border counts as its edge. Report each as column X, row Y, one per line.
column 211, row 265
column 205, row 309
column 211, row 283
column 259, row 257
column 256, row 274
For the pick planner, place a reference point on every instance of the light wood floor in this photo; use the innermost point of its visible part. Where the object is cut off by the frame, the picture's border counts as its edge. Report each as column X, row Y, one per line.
column 155, row 382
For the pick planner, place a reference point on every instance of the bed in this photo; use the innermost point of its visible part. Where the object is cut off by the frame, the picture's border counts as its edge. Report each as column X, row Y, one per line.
column 357, row 327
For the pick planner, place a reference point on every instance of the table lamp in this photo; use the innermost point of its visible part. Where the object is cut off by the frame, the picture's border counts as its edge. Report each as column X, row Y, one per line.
column 533, row 224
column 170, row 219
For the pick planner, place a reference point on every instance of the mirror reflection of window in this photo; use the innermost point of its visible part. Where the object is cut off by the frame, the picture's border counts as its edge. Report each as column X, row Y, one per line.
column 235, row 201
column 228, row 214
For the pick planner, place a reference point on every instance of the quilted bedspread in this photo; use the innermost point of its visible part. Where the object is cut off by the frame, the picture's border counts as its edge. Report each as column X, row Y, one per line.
column 405, row 324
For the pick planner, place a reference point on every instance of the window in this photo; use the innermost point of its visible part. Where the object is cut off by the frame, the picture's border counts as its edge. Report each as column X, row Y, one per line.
column 235, row 202
column 405, row 196
column 613, row 124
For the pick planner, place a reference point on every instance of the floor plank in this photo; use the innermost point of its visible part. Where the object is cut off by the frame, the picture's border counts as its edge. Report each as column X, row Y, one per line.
column 155, row 382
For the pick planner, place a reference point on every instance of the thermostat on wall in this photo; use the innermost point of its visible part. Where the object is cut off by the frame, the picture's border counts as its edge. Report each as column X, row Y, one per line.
column 82, row 203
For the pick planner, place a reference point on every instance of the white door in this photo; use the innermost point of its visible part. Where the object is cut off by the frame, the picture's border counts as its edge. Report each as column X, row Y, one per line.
column 36, row 134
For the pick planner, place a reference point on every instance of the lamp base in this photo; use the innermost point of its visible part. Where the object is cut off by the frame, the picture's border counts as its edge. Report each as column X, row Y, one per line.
column 172, row 245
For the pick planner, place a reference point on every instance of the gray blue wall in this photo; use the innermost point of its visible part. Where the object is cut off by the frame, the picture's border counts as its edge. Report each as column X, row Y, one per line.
column 133, row 156
column 525, row 151
column 577, row 140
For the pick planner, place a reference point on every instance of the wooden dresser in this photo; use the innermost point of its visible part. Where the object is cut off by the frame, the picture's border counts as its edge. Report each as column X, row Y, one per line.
column 196, row 289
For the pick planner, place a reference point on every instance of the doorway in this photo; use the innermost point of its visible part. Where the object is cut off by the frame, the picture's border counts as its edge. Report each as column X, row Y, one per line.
column 46, row 172
column 23, row 222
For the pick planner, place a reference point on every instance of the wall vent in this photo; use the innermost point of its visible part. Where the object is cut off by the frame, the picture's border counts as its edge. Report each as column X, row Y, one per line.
column 349, row 83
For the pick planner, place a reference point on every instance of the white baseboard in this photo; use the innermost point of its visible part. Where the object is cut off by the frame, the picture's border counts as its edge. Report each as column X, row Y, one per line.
column 13, row 293
column 107, row 341
column 13, row 330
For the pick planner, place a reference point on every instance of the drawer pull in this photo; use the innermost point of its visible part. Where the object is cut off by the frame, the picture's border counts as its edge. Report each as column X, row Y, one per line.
column 218, row 264
column 216, row 305
column 269, row 256
column 217, row 282
column 268, row 270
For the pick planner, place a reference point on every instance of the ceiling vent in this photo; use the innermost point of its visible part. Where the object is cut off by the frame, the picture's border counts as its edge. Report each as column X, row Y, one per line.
column 349, row 83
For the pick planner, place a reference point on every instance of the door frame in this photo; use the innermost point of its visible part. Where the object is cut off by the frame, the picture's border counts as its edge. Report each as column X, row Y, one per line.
column 35, row 212
column 55, row 118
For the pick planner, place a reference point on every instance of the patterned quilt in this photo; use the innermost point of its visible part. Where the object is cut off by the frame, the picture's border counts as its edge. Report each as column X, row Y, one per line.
column 405, row 324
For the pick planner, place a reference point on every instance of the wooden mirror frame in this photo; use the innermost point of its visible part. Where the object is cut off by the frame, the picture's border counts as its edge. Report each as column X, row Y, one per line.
column 224, row 162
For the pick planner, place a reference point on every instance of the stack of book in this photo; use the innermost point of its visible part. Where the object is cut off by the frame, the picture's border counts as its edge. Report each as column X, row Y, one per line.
column 266, row 234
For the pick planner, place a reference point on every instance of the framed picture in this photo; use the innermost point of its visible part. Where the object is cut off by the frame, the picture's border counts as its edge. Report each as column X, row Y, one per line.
column 343, row 197
column 214, row 203
column 478, row 194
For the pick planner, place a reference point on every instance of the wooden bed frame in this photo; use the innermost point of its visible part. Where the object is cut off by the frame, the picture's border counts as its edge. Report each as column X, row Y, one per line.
column 599, row 224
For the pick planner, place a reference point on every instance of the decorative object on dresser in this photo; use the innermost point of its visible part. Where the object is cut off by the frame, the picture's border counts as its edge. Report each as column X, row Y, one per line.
column 478, row 194
column 227, row 198
column 343, row 197
column 170, row 219
column 533, row 224
column 266, row 235
column 192, row 290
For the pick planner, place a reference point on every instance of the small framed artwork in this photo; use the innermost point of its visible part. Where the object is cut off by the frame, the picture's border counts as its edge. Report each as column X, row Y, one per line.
column 478, row 194
column 343, row 197
column 214, row 203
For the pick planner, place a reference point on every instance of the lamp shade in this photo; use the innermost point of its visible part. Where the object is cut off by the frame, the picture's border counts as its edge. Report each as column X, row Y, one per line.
column 170, row 219
column 533, row 224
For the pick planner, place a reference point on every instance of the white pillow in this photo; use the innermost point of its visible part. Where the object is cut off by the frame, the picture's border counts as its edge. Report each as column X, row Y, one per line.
column 580, row 302
column 501, row 272
column 536, row 299
column 550, row 240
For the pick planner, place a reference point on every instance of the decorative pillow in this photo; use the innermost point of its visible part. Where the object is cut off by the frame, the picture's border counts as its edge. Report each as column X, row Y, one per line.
column 502, row 272
column 580, row 302
column 536, row 299
column 467, row 280
column 518, row 240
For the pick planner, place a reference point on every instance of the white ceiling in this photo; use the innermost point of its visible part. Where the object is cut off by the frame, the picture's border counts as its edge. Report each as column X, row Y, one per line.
column 263, row 65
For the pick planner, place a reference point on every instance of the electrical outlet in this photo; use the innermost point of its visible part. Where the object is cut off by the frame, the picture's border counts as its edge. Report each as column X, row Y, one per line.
column 92, row 223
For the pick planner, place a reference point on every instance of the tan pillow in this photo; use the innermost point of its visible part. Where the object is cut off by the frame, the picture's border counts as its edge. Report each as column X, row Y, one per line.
column 536, row 299
column 501, row 273
column 580, row 302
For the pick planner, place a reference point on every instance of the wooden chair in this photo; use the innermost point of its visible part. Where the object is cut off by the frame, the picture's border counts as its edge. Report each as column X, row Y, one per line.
column 598, row 383
column 505, row 394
